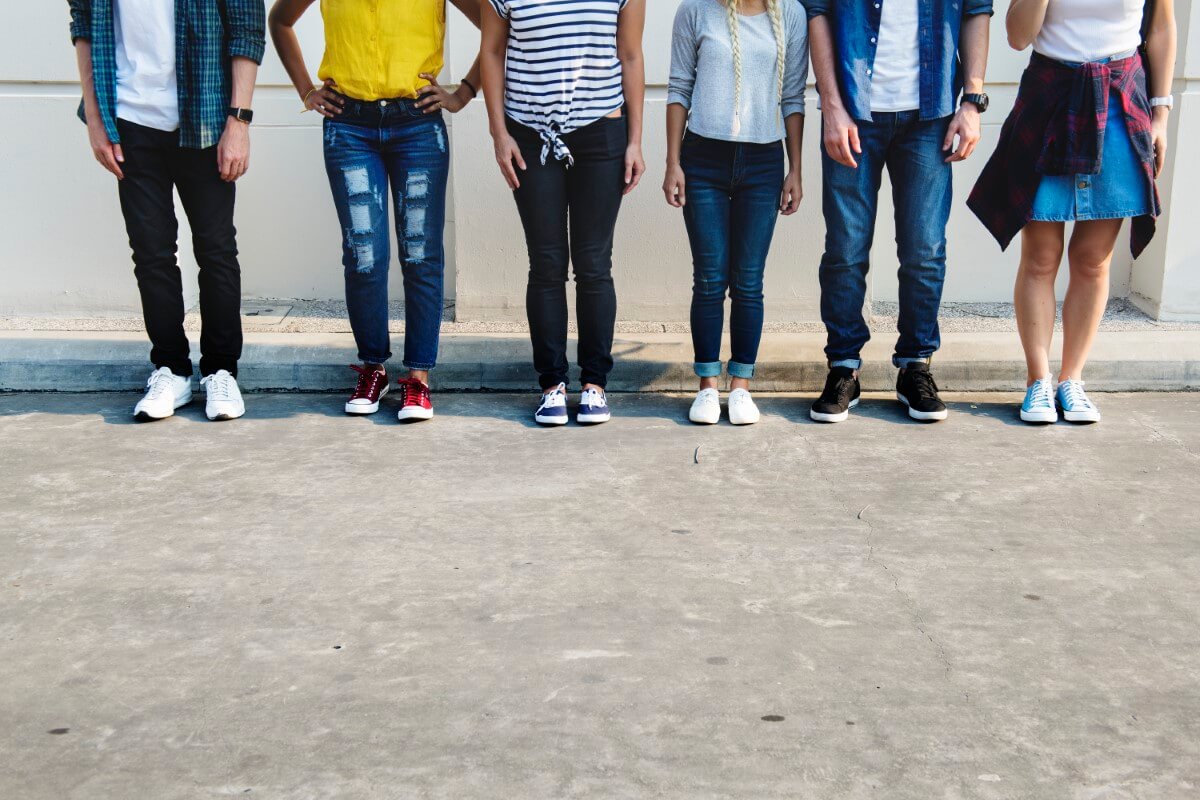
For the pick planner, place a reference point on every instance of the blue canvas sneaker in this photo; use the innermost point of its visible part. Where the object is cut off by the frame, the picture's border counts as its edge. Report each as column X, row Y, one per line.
column 1039, row 402
column 593, row 407
column 553, row 409
column 1075, row 405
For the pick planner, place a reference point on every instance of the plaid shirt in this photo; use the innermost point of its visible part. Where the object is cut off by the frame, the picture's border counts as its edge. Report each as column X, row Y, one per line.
column 1057, row 128
column 208, row 35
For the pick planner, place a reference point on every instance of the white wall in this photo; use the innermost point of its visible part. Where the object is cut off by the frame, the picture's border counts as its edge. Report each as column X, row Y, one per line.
column 69, row 252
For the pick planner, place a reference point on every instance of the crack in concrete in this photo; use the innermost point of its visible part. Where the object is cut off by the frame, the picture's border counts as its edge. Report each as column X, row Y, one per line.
column 1166, row 437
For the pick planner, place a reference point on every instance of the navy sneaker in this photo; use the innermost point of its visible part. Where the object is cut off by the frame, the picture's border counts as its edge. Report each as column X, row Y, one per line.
column 593, row 407
column 553, row 410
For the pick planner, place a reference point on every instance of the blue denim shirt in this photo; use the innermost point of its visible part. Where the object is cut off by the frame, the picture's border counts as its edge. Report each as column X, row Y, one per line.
column 855, row 26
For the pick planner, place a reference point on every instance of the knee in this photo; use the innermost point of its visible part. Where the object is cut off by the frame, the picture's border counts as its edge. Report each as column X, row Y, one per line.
column 747, row 286
column 709, row 286
column 1040, row 261
column 1089, row 262
column 548, row 266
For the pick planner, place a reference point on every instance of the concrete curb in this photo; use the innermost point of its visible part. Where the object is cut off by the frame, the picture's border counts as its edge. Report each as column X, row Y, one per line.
column 789, row 362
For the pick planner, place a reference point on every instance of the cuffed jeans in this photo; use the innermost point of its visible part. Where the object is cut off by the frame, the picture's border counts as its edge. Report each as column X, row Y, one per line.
column 379, row 152
column 911, row 149
column 154, row 165
column 569, row 215
column 732, row 192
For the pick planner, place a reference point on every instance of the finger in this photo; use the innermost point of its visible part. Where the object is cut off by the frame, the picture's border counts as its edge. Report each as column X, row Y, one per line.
column 970, row 148
column 949, row 140
column 118, row 158
column 509, row 175
column 427, row 76
column 854, row 142
column 629, row 167
column 520, row 159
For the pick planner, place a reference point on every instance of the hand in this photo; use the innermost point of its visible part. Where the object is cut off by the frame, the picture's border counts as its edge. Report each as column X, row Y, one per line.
column 108, row 154
column 325, row 100
column 435, row 97
column 635, row 167
column 793, row 193
column 1158, row 131
column 233, row 151
column 674, row 186
column 965, row 126
column 508, row 154
column 841, row 136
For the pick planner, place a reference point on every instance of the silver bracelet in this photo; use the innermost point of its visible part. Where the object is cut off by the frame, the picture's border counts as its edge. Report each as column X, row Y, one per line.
column 1167, row 101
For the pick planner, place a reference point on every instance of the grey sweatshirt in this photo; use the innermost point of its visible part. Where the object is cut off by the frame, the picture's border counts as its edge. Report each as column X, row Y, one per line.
column 703, row 79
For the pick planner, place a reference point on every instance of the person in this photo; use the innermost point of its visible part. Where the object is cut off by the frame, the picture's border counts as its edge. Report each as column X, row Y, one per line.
column 889, row 74
column 167, row 103
column 738, row 73
column 565, row 86
column 384, row 137
column 1083, row 144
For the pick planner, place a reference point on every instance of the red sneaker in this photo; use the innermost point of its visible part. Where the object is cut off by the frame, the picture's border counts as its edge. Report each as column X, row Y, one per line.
column 416, row 403
column 372, row 386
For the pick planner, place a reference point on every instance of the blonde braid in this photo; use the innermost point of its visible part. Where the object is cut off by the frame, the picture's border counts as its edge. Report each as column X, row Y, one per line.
column 775, row 9
column 731, row 6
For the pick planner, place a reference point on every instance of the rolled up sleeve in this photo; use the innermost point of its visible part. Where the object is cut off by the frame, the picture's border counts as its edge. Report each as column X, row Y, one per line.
column 247, row 29
column 795, row 76
column 683, row 59
column 817, row 8
column 973, row 7
column 81, row 19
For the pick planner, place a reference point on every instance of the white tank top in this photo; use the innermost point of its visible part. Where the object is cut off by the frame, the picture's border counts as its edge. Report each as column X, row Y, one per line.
column 1089, row 30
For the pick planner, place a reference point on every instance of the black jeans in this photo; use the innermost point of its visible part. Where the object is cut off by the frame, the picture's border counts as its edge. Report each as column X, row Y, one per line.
column 569, row 215
column 154, row 165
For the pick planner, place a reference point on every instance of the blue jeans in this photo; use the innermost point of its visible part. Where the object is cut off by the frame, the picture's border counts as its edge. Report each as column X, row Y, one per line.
column 732, row 191
column 376, row 152
column 921, row 191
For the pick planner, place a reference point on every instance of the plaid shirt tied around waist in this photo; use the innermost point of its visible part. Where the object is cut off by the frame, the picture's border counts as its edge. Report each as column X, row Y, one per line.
column 1057, row 128
column 208, row 35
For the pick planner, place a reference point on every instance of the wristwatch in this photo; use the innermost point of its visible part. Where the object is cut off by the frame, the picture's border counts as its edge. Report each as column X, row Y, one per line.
column 242, row 114
column 1168, row 101
column 981, row 101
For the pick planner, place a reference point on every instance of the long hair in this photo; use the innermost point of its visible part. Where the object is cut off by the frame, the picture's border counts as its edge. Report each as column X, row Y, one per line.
column 775, row 12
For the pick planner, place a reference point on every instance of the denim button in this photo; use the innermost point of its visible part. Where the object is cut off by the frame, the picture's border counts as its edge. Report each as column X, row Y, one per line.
column 1083, row 184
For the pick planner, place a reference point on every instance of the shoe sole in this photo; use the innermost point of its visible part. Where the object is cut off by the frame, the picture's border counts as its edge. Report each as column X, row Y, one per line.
column 1081, row 417
column 923, row 416
column 817, row 416
column 225, row 416
column 1039, row 417
column 366, row 408
column 704, row 421
column 415, row 414
column 552, row 422
column 753, row 421
column 142, row 416
column 593, row 419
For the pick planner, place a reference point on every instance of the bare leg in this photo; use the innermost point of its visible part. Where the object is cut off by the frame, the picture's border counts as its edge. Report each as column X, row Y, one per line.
column 1090, row 254
column 1033, row 296
column 420, row 374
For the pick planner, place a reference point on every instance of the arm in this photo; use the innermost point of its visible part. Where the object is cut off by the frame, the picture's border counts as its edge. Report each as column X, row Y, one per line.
column 682, row 81
column 1024, row 22
column 630, row 27
column 108, row 154
column 282, row 21
column 792, row 103
column 233, row 151
column 973, row 51
column 435, row 97
column 492, row 52
column 841, row 134
column 1161, row 44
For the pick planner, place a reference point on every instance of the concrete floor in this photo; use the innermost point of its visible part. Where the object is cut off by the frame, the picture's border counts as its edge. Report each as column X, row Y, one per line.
column 298, row 605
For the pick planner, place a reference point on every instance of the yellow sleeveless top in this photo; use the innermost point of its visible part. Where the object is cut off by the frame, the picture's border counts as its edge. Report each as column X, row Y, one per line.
column 376, row 49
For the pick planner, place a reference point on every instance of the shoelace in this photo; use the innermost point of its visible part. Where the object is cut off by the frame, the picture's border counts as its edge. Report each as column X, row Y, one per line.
column 218, row 387
column 158, row 385
column 593, row 398
column 838, row 389
column 557, row 391
column 415, row 392
column 1073, row 390
column 1042, row 396
column 369, row 381
column 924, row 385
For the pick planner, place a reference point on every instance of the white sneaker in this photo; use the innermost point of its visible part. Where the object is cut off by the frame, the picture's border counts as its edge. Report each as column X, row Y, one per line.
column 742, row 410
column 553, row 408
column 1038, row 406
column 706, row 408
column 224, row 399
column 165, row 392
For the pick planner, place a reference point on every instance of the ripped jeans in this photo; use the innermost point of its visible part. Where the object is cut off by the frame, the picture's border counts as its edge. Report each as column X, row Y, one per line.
column 376, row 152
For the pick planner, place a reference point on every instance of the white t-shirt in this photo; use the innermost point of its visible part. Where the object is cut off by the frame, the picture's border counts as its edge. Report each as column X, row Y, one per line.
column 1089, row 30
column 147, row 93
column 896, row 75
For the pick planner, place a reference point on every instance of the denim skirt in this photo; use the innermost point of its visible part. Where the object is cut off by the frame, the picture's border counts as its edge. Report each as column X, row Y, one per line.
column 1118, row 191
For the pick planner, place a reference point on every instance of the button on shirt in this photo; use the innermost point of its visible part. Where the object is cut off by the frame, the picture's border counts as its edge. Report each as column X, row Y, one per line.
column 856, row 39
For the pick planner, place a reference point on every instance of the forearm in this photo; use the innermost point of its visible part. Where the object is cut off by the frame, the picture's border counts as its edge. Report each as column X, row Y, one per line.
column 794, row 125
column 820, row 42
column 1024, row 22
column 492, row 73
column 87, row 79
column 973, row 49
column 244, row 72
column 633, row 82
column 676, row 122
column 1161, row 47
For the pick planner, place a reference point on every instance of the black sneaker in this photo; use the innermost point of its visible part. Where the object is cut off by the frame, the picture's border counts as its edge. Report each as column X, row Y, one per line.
column 840, row 395
column 916, row 388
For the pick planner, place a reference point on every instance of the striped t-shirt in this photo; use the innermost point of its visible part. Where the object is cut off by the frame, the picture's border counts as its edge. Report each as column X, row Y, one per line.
column 562, row 70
